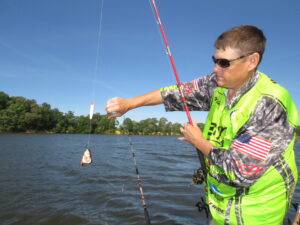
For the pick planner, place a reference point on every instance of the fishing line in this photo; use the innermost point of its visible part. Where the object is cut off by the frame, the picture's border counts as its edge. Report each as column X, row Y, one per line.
column 87, row 154
column 97, row 63
column 96, row 69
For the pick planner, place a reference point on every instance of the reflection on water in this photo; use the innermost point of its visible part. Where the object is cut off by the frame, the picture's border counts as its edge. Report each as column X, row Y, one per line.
column 43, row 183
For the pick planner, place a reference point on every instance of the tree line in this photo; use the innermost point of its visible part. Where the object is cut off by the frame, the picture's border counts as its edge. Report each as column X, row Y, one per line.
column 18, row 114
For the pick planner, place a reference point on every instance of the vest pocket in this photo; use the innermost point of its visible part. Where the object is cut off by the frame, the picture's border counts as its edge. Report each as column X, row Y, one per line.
column 220, row 189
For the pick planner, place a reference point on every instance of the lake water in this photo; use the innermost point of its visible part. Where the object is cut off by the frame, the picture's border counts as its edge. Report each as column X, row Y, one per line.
column 41, row 181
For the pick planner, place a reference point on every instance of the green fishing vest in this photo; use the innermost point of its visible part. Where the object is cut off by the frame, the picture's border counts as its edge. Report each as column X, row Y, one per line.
column 267, row 200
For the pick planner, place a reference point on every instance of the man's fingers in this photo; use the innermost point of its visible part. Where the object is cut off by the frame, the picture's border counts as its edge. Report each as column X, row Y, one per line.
column 181, row 129
column 112, row 107
column 113, row 115
column 113, row 100
column 195, row 123
column 115, row 107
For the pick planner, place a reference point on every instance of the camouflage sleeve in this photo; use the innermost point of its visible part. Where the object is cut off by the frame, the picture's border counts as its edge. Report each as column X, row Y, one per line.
column 197, row 92
column 257, row 146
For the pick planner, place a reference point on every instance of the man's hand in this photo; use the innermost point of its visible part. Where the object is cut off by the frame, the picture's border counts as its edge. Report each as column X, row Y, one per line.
column 193, row 135
column 117, row 107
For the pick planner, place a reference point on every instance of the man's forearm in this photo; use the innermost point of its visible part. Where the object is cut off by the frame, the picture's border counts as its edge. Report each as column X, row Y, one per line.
column 117, row 106
column 150, row 98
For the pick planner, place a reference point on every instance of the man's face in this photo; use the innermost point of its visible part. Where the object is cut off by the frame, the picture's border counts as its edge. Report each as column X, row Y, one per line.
column 234, row 76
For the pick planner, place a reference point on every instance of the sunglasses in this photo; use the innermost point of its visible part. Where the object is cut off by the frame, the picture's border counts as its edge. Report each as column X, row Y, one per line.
column 224, row 63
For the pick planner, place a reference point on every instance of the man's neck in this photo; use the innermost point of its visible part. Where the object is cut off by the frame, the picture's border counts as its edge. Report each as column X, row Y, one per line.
column 232, row 91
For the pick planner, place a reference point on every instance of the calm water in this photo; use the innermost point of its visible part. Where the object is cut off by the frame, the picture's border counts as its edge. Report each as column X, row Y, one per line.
column 42, row 182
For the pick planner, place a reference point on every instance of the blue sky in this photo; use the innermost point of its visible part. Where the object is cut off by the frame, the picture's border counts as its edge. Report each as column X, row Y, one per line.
column 48, row 49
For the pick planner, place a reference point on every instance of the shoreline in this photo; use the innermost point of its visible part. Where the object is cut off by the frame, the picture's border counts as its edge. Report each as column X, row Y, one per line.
column 116, row 133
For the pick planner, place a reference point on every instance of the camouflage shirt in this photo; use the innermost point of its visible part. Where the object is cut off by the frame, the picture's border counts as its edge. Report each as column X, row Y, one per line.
column 269, row 121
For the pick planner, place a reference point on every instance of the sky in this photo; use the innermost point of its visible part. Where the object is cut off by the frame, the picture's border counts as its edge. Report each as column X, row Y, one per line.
column 54, row 51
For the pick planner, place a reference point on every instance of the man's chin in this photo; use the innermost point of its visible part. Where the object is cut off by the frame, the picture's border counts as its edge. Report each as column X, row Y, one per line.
column 220, row 83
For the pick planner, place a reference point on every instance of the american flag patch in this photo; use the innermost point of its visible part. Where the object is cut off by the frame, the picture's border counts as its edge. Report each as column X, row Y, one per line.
column 196, row 83
column 253, row 146
column 187, row 88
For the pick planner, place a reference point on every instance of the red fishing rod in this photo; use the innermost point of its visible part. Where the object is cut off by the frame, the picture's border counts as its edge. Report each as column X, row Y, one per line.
column 183, row 98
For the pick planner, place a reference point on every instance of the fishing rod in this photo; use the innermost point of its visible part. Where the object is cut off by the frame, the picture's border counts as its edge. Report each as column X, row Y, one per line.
column 146, row 214
column 183, row 98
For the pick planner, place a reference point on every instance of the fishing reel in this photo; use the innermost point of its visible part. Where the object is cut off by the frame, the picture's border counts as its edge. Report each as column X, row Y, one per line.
column 198, row 176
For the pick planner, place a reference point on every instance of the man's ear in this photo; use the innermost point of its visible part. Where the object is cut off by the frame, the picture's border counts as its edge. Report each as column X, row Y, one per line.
column 254, row 60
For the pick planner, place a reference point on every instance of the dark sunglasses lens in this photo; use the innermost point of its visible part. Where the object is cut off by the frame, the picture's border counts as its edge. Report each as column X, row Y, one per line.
column 223, row 63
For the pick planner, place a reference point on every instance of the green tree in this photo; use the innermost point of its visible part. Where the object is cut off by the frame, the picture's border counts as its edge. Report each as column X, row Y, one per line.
column 39, row 117
column 33, row 117
column 162, row 125
column 13, row 117
column 48, row 119
column 113, row 123
column 18, row 114
column 148, row 126
column 82, row 125
column 70, row 122
column 60, row 122
column 103, row 125
column 4, row 98
column 127, row 126
column 176, row 129
column 168, row 128
column 135, row 127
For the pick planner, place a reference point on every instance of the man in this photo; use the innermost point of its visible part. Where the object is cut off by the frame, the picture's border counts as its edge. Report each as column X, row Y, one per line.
column 248, row 136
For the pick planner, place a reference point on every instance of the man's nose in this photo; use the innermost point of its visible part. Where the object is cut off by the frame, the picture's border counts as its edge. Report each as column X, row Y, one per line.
column 216, row 68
